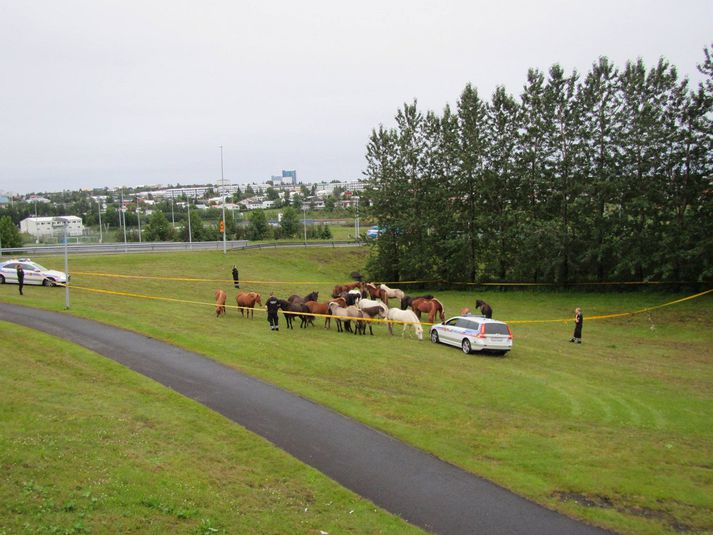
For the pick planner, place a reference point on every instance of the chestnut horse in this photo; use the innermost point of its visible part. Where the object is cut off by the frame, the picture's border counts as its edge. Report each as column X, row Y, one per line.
column 220, row 298
column 339, row 289
column 248, row 301
column 320, row 308
column 431, row 306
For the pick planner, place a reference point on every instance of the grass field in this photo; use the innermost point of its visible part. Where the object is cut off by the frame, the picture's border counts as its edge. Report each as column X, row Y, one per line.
column 616, row 431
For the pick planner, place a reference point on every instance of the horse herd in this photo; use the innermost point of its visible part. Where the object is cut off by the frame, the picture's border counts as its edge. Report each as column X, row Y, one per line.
column 358, row 303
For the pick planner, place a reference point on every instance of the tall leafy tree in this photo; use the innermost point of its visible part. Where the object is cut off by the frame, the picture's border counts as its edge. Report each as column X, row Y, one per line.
column 9, row 233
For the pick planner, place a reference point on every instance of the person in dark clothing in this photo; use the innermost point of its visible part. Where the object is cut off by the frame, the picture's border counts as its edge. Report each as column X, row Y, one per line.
column 273, row 305
column 236, row 281
column 578, row 321
column 485, row 309
column 20, row 277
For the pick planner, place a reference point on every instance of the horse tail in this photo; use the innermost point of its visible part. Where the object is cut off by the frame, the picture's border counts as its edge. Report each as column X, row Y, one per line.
column 441, row 307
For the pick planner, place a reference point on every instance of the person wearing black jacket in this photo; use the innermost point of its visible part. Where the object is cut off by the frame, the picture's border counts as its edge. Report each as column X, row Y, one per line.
column 20, row 277
column 273, row 305
column 578, row 321
column 236, row 280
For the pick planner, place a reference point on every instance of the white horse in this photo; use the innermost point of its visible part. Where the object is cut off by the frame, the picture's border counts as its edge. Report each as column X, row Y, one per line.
column 387, row 293
column 408, row 318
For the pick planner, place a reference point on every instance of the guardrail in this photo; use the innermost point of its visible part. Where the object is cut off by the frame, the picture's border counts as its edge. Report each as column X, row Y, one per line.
column 150, row 247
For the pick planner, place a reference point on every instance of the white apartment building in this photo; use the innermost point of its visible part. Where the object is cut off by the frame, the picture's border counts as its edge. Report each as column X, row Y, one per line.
column 52, row 226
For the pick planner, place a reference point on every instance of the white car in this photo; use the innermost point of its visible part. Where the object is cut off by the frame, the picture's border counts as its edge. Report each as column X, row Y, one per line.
column 34, row 273
column 474, row 333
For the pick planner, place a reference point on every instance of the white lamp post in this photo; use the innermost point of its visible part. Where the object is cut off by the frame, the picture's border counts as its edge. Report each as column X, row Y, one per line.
column 101, row 236
column 222, row 183
column 304, row 219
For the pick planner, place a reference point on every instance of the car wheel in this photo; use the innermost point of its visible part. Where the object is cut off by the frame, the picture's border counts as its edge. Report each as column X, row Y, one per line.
column 47, row 282
column 434, row 337
column 2, row 279
column 465, row 346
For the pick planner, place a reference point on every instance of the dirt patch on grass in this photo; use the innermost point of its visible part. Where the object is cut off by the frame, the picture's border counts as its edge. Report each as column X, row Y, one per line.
column 605, row 502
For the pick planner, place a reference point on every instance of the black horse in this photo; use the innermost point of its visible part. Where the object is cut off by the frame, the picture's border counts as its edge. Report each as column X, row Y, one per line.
column 314, row 296
column 292, row 310
column 485, row 309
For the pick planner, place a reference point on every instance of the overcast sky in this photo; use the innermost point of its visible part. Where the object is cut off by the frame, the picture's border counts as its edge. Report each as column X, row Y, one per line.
column 106, row 93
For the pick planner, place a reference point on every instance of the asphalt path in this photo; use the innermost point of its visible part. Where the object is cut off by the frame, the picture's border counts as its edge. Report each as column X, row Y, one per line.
column 401, row 479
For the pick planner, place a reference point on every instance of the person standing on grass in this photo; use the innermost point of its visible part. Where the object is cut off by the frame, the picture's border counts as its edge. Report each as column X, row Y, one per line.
column 273, row 305
column 20, row 277
column 578, row 321
column 236, row 281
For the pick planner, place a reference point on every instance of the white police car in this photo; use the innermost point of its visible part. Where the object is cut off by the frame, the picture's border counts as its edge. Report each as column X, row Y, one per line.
column 34, row 273
column 474, row 333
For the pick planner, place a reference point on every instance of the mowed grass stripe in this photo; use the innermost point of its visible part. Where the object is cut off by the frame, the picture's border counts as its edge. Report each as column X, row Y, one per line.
column 89, row 446
column 616, row 431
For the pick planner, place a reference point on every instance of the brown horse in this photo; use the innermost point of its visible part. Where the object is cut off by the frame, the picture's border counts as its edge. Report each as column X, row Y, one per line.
column 220, row 298
column 320, row 308
column 339, row 289
column 432, row 306
column 248, row 301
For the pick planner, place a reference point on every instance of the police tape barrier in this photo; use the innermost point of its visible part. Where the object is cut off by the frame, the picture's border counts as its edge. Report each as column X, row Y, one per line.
column 378, row 320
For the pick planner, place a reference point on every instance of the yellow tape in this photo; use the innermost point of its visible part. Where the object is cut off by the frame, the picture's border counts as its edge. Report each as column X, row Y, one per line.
column 378, row 320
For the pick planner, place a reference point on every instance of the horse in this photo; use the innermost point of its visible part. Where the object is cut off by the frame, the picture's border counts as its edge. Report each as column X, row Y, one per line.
column 408, row 318
column 320, row 308
column 432, row 306
column 309, row 297
column 339, row 289
column 372, row 309
column 340, row 314
column 248, row 300
column 290, row 310
column 358, row 315
column 353, row 296
column 220, row 298
column 407, row 299
column 390, row 293
column 373, row 290
column 485, row 309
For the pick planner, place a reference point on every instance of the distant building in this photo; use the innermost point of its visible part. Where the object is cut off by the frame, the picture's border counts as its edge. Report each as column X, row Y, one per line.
column 52, row 226
column 289, row 177
column 4, row 201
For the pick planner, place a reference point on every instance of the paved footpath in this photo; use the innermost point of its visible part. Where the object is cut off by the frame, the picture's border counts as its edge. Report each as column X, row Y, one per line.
column 403, row 480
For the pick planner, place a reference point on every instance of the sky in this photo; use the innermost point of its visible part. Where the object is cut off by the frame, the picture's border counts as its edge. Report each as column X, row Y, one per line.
column 99, row 93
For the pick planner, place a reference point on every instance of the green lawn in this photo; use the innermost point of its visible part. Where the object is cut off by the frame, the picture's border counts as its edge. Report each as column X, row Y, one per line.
column 615, row 431
column 89, row 446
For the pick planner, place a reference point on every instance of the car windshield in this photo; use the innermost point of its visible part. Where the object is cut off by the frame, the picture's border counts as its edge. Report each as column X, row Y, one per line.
column 35, row 266
column 496, row 328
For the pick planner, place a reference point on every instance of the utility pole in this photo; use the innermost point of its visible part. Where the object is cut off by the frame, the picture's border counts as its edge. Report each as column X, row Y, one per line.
column 138, row 216
column 123, row 217
column 222, row 183
column 101, row 236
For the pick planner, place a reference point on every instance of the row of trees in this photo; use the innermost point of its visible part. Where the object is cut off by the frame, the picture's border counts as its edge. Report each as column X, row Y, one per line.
column 157, row 227
column 605, row 176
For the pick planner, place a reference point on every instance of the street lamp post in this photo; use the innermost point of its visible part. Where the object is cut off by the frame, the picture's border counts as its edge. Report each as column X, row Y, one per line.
column 101, row 236
column 304, row 219
column 66, row 267
column 138, row 216
column 222, row 183
column 123, row 218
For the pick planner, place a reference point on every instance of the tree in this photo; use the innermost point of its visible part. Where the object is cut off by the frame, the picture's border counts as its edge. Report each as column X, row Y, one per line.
column 9, row 233
column 290, row 223
column 158, row 228
column 259, row 229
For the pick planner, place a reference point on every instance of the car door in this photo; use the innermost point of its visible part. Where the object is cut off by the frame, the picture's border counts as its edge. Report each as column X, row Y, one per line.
column 448, row 331
column 9, row 271
column 33, row 274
